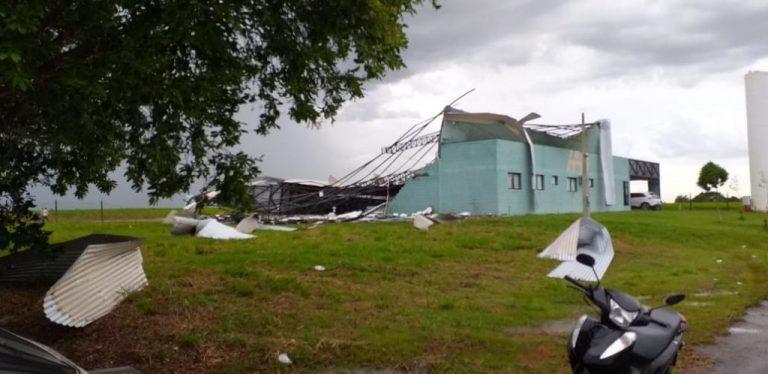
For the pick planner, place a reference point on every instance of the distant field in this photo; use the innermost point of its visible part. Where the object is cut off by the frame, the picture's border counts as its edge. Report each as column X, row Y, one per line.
column 732, row 205
column 131, row 214
column 470, row 296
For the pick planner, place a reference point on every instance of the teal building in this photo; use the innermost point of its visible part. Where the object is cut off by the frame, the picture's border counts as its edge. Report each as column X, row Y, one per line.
column 490, row 164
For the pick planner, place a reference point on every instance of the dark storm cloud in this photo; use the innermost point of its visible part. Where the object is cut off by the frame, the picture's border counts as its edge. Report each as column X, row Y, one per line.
column 711, row 37
column 695, row 35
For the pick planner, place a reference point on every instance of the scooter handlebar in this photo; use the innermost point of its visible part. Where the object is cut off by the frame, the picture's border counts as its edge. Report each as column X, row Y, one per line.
column 575, row 282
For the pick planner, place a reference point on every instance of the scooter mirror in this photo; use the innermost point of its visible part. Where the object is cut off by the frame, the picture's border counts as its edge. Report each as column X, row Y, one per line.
column 675, row 299
column 585, row 259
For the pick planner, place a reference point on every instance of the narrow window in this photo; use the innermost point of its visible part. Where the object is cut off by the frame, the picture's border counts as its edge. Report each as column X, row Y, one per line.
column 539, row 182
column 572, row 183
column 514, row 181
column 554, row 180
column 591, row 183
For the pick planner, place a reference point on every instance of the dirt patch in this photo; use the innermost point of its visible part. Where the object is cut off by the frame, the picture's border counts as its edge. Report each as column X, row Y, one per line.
column 692, row 362
column 151, row 343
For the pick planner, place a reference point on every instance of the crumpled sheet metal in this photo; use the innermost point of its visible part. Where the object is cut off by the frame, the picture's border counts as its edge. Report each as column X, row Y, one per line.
column 248, row 224
column 422, row 223
column 213, row 229
column 565, row 246
column 101, row 277
column 593, row 239
column 21, row 355
column 204, row 228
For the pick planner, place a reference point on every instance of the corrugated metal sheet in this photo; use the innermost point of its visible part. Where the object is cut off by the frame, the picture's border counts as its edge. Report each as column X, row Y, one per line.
column 595, row 241
column 564, row 247
column 101, row 277
column 21, row 355
column 48, row 266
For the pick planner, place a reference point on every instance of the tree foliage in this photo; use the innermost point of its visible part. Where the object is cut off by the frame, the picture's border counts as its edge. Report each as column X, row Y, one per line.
column 88, row 86
column 712, row 176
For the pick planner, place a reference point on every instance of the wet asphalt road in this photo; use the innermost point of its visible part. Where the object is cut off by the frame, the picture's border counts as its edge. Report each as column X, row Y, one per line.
column 745, row 349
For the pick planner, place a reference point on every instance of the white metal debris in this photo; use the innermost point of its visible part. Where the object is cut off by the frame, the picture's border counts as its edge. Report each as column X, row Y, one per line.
column 593, row 239
column 565, row 246
column 319, row 267
column 346, row 216
column 248, row 224
column 204, row 228
column 422, row 223
column 213, row 229
column 96, row 283
column 284, row 359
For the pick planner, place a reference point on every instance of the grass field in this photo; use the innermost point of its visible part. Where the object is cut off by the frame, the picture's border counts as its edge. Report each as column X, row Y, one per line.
column 466, row 297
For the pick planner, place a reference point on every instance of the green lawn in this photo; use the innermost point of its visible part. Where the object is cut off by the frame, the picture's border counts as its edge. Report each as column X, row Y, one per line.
column 461, row 297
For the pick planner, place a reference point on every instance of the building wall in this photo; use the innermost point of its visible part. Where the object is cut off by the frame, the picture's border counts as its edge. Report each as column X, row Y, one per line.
column 419, row 192
column 474, row 177
column 467, row 177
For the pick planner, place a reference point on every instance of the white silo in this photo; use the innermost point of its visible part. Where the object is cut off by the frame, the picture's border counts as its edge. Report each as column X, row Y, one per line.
column 756, row 83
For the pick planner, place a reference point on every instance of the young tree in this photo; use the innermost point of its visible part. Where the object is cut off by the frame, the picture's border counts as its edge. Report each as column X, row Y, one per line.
column 153, row 85
column 712, row 176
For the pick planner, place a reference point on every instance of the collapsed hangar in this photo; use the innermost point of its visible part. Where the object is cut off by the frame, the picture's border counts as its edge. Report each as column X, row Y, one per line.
column 481, row 163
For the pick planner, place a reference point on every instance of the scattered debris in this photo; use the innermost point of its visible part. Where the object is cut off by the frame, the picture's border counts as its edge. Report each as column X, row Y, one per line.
column 719, row 261
column 319, row 267
column 204, row 228
column 422, row 223
column 92, row 275
column 583, row 236
column 315, row 225
column 213, row 229
column 284, row 359
column 248, row 224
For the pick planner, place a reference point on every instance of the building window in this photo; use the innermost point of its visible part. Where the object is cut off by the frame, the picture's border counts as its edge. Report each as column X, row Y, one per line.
column 514, row 181
column 591, row 183
column 572, row 184
column 538, row 182
column 626, row 193
column 554, row 180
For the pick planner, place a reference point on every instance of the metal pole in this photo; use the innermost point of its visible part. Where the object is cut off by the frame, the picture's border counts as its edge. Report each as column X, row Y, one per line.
column 102, row 210
column 584, row 170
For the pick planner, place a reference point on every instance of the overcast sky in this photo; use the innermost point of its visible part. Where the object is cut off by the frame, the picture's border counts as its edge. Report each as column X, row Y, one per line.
column 668, row 74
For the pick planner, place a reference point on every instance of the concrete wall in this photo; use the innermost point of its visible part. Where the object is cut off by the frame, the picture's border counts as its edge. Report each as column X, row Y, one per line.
column 474, row 176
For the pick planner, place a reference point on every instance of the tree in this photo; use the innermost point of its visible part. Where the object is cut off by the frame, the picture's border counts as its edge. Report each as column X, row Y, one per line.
column 713, row 176
column 88, row 86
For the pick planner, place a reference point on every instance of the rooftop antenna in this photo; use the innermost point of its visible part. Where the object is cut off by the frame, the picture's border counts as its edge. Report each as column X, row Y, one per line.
column 584, row 169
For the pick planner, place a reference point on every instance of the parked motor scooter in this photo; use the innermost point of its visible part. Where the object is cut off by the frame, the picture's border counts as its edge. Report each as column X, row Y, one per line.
column 629, row 337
